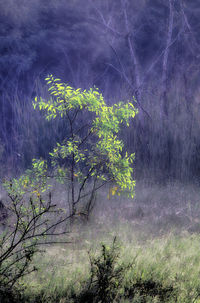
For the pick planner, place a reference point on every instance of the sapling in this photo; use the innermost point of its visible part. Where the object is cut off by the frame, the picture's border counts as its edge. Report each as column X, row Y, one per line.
column 92, row 154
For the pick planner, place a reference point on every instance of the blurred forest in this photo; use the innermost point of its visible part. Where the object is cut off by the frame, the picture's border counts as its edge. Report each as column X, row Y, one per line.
column 149, row 49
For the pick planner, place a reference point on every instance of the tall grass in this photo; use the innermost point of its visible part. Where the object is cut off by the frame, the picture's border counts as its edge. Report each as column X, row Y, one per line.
column 29, row 135
column 167, row 147
column 167, row 267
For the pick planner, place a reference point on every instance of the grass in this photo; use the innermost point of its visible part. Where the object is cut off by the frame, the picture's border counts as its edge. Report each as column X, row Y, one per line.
column 165, row 265
column 158, row 233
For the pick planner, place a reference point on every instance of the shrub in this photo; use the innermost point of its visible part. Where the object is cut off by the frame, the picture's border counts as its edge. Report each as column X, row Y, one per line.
column 31, row 224
column 106, row 275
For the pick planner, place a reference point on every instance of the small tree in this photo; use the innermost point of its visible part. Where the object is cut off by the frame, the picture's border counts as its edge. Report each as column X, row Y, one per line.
column 92, row 154
column 33, row 221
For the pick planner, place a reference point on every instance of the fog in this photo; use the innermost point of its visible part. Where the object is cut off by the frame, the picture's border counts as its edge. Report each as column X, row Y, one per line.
column 147, row 49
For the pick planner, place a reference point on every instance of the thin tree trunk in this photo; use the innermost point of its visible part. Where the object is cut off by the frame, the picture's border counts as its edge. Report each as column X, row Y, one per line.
column 132, row 53
column 165, row 60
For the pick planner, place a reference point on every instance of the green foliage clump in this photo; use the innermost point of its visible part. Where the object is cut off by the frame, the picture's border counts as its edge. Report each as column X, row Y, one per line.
column 106, row 276
column 92, row 153
column 32, row 182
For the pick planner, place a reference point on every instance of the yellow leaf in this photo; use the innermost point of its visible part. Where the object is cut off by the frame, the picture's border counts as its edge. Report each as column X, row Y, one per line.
column 114, row 190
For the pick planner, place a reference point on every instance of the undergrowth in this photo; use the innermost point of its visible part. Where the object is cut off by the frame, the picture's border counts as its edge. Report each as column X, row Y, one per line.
column 163, row 270
column 138, row 267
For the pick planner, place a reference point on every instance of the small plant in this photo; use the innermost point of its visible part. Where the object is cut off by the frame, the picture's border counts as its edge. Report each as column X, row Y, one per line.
column 92, row 154
column 32, row 224
column 150, row 289
column 107, row 275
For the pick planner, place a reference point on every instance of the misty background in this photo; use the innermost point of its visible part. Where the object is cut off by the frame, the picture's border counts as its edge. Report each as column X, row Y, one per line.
column 149, row 49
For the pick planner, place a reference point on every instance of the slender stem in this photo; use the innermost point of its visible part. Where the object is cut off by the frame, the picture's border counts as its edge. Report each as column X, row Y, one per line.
column 73, row 209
